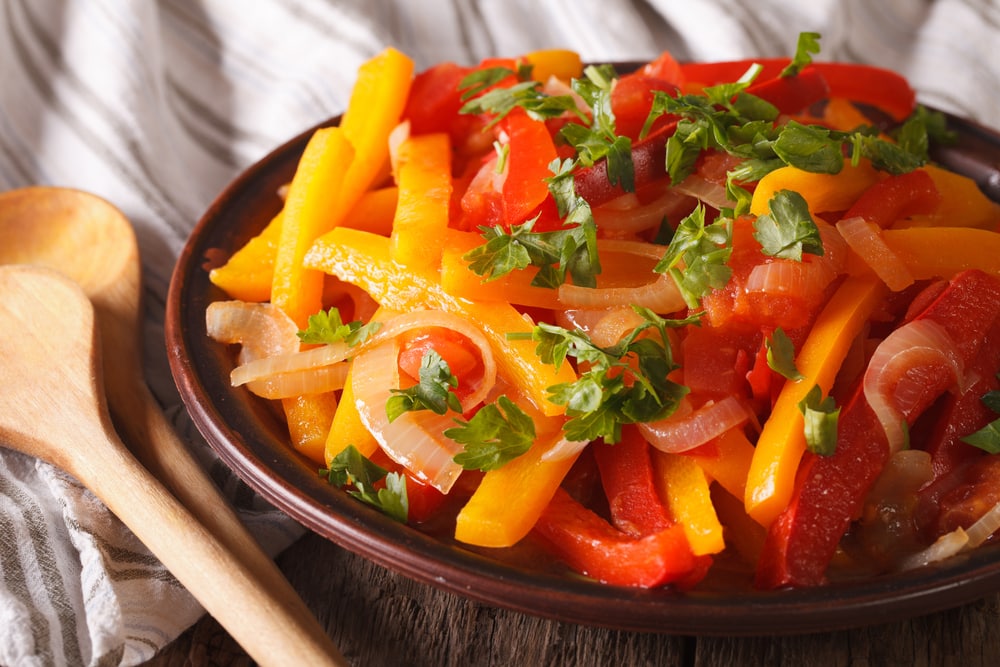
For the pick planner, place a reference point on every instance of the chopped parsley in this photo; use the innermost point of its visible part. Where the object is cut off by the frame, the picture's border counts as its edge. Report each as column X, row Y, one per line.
column 788, row 230
column 328, row 327
column 820, row 416
column 781, row 355
column 434, row 391
column 352, row 471
column 808, row 45
column 625, row 383
column 698, row 255
column 496, row 434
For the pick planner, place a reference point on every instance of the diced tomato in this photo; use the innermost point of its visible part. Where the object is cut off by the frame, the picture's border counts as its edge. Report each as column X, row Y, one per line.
column 709, row 359
column 896, row 197
column 454, row 349
column 530, row 151
column 665, row 68
column 632, row 100
column 435, row 99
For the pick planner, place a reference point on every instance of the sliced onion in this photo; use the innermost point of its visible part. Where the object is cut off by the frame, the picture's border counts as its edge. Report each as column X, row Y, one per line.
column 920, row 343
column 262, row 329
column 865, row 239
column 985, row 526
column 394, row 326
column 614, row 325
column 788, row 277
column 945, row 546
column 660, row 294
column 415, row 440
column 682, row 433
column 300, row 383
column 628, row 215
column 712, row 193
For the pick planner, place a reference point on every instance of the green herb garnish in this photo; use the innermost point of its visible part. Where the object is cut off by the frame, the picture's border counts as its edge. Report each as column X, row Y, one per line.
column 496, row 434
column 352, row 471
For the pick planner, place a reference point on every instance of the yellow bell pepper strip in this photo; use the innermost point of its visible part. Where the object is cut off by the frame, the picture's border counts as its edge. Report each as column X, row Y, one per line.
column 684, row 488
column 347, row 428
column 508, row 501
column 248, row 273
column 424, row 177
column 374, row 211
column 781, row 443
column 309, row 419
column 313, row 193
column 822, row 192
column 363, row 259
column 560, row 63
column 374, row 109
column 938, row 252
column 726, row 460
column 962, row 204
column 744, row 536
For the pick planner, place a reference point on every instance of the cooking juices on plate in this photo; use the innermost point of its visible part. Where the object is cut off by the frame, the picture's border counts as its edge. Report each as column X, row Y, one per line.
column 664, row 325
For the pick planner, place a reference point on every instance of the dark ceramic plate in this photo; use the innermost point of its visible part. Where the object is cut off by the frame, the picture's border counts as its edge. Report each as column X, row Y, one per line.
column 253, row 443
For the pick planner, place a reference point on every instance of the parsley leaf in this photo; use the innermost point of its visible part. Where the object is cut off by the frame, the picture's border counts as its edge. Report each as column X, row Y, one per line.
column 625, row 383
column 788, row 230
column 497, row 433
column 808, row 45
column 351, row 468
column 571, row 250
column 809, row 147
column 704, row 251
column 821, row 416
column 781, row 355
column 328, row 327
column 434, row 392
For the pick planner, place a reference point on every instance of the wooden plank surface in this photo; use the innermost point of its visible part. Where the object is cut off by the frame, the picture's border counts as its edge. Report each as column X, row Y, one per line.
column 378, row 618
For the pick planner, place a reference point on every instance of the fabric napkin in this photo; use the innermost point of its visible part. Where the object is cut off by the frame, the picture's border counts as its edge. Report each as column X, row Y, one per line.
column 157, row 105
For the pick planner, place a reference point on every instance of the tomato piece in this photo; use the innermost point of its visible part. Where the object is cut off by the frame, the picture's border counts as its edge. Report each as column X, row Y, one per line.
column 896, row 197
column 590, row 545
column 434, row 99
column 664, row 67
column 710, row 358
column 530, row 150
column 454, row 348
column 632, row 99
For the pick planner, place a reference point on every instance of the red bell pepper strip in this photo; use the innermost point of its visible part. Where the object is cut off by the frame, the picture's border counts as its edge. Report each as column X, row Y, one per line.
column 530, row 150
column 896, row 197
column 881, row 88
column 627, row 477
column 830, row 490
column 590, row 545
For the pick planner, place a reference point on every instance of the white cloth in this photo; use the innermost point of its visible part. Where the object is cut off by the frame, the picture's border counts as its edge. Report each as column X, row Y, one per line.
column 157, row 105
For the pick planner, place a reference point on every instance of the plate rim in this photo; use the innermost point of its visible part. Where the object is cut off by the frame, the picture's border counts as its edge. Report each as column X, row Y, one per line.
column 366, row 532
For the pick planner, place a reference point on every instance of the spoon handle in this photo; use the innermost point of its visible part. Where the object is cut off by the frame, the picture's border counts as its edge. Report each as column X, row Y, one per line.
column 260, row 616
column 154, row 442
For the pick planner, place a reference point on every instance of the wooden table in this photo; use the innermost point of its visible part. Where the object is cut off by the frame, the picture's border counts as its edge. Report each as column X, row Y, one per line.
column 379, row 618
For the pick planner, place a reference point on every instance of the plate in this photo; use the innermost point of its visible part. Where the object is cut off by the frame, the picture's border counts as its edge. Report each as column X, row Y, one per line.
column 250, row 441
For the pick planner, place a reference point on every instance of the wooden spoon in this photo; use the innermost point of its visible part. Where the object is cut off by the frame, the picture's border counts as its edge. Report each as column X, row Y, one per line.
column 52, row 407
column 91, row 242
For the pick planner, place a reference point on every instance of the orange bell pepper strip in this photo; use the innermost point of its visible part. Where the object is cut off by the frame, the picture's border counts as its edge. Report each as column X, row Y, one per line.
column 508, row 501
column 939, row 252
column 374, row 109
column 682, row 484
column 312, row 194
column 425, row 187
column 779, row 449
column 248, row 273
column 726, row 460
column 962, row 203
column 823, row 192
column 363, row 259
column 563, row 64
column 309, row 418
column 374, row 211
column 346, row 427
column 459, row 280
